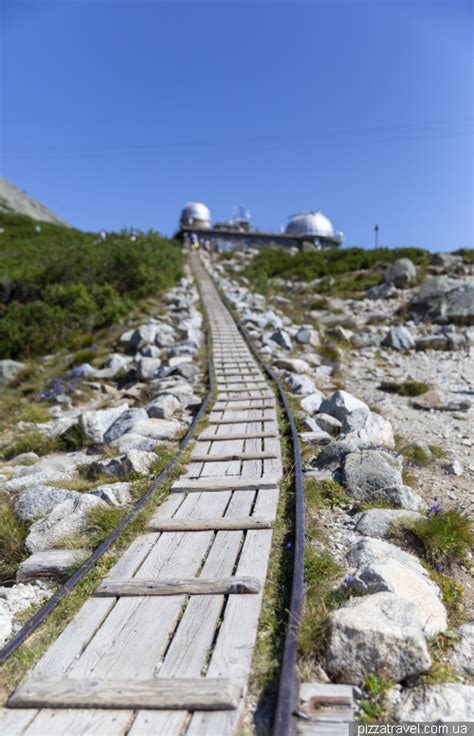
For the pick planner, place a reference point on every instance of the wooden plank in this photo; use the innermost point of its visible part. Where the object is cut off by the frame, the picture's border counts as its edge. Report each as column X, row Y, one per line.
column 243, row 436
column 221, row 523
column 14, row 722
column 175, row 586
column 221, row 457
column 317, row 693
column 224, row 484
column 169, row 693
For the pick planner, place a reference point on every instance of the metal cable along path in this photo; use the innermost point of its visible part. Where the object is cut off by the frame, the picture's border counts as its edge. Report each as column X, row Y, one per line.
column 164, row 646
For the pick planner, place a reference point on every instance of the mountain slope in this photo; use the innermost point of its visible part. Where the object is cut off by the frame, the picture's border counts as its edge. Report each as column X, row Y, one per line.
column 13, row 200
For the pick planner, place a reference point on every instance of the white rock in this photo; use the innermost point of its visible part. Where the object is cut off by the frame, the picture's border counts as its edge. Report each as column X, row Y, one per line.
column 164, row 407
column 437, row 703
column 51, row 563
column 295, row 365
column 311, row 404
column 379, row 634
column 94, row 424
column 302, row 385
column 341, row 405
column 65, row 520
column 127, row 419
column 148, row 368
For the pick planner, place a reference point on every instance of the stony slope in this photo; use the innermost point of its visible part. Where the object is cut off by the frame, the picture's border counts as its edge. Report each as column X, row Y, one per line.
column 13, row 199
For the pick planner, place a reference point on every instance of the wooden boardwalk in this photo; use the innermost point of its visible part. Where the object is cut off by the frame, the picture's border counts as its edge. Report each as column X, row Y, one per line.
column 165, row 645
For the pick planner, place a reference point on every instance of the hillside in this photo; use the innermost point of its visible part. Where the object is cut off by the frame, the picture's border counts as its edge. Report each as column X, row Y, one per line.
column 14, row 200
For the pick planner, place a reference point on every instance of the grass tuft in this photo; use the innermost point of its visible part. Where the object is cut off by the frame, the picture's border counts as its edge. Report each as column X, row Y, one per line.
column 12, row 541
column 405, row 388
column 446, row 536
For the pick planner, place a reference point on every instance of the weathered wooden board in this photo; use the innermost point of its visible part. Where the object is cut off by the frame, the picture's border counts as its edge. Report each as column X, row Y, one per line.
column 224, row 484
column 244, row 436
column 221, row 523
column 190, row 693
column 177, row 586
column 229, row 457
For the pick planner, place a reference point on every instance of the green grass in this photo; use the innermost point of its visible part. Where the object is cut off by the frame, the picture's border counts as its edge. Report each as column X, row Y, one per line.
column 31, row 441
column 441, row 670
column 12, row 541
column 14, row 408
column 374, row 704
column 418, row 455
column 324, row 494
column 405, row 388
column 62, row 284
column 446, row 536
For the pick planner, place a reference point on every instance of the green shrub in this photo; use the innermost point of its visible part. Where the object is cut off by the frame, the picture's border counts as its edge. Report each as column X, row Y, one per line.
column 32, row 441
column 12, row 541
column 406, row 388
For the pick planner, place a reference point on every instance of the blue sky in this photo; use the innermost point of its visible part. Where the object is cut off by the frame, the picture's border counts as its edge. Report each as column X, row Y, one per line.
column 116, row 113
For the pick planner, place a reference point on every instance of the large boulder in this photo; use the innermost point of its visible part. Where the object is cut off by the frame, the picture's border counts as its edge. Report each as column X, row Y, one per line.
column 9, row 369
column 379, row 634
column 392, row 576
column 94, row 424
column 64, row 521
column 341, row 405
column 367, row 472
column 437, row 703
column 443, row 300
column 124, row 423
column 369, row 428
column 39, row 501
column 401, row 273
column 399, row 338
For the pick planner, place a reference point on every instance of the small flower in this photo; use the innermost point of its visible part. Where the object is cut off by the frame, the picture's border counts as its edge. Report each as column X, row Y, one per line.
column 289, row 545
column 439, row 567
column 349, row 579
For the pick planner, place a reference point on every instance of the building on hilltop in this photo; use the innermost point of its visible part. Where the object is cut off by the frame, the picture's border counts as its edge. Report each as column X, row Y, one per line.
column 305, row 231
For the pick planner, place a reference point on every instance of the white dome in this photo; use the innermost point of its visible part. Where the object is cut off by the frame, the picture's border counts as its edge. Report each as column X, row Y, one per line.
column 310, row 223
column 195, row 211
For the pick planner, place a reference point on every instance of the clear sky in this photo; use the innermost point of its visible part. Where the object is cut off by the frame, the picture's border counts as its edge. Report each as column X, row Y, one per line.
column 116, row 113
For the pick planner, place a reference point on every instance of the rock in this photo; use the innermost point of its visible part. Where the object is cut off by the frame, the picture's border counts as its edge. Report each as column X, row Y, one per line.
column 301, row 385
column 401, row 273
column 188, row 371
column 444, row 300
column 315, row 437
column 134, row 462
column 368, row 472
column 179, row 360
column 311, row 403
column 437, row 400
column 455, row 468
column 379, row 634
column 144, row 335
column 433, row 342
column 85, row 370
column 364, row 339
column 9, row 370
column 399, row 338
column 115, row 494
column 117, row 362
column 333, row 455
column 370, row 551
column 341, row 405
column 446, row 260
column 380, row 291
column 370, row 428
column 437, row 703
column 18, row 598
column 65, row 520
column 94, row 424
column 378, row 522
column 25, row 458
column 164, row 340
column 39, row 501
column 341, row 333
column 157, row 429
column 148, row 368
column 164, row 407
column 123, row 423
column 328, row 423
column 308, row 336
column 294, row 366
column 133, row 441
column 282, row 338
column 51, row 563
column 461, row 655
column 150, row 351
column 392, row 576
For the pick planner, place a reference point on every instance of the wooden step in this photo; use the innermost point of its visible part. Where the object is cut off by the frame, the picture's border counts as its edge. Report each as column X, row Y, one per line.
column 164, row 693
column 227, row 436
column 231, row 483
column 121, row 587
column 229, row 457
column 245, row 418
column 219, row 523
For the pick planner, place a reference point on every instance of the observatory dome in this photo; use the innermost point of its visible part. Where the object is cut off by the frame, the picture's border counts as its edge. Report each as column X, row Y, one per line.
column 310, row 223
column 196, row 213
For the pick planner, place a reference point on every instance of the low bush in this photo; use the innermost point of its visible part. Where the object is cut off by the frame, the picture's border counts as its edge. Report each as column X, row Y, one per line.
column 405, row 388
column 60, row 284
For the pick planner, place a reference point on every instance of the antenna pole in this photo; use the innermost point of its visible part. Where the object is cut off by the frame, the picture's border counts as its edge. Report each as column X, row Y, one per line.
column 376, row 236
